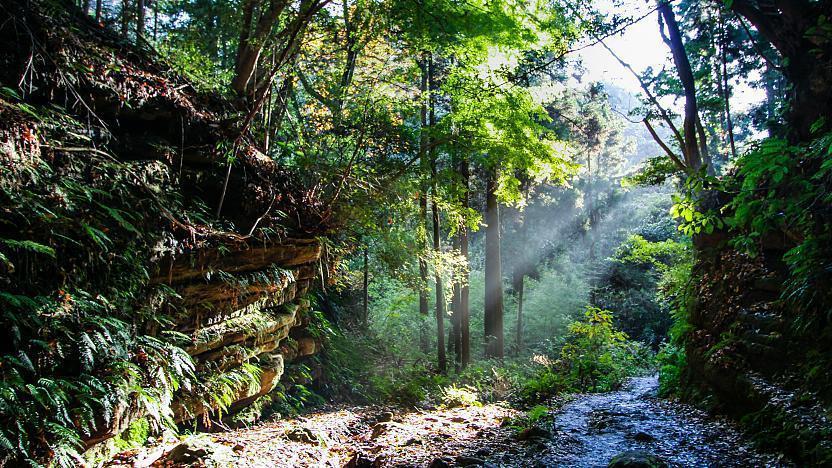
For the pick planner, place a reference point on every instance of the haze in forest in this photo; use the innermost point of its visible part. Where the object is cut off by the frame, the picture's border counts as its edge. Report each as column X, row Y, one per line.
column 415, row 233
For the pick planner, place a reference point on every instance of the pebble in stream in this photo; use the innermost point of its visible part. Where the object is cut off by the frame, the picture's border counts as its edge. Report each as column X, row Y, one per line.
column 592, row 429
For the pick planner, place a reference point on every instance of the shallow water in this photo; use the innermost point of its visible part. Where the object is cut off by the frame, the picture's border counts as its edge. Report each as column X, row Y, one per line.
column 590, row 430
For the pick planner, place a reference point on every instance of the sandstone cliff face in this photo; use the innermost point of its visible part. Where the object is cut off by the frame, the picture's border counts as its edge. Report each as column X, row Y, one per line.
column 243, row 302
column 239, row 303
column 110, row 253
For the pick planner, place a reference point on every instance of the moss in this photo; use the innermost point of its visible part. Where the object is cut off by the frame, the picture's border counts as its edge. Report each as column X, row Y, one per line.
column 136, row 435
column 254, row 412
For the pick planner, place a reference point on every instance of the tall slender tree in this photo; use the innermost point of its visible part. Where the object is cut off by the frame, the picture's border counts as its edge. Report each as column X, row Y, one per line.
column 494, row 337
column 464, row 292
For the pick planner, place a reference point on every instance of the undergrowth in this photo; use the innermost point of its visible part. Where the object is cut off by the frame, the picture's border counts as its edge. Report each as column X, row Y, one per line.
column 594, row 357
column 81, row 343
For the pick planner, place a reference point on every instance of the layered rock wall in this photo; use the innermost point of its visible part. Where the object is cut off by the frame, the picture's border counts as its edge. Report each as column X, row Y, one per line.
column 112, row 166
column 239, row 303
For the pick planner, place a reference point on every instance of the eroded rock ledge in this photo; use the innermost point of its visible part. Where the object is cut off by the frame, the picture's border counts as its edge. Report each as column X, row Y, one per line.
column 240, row 303
column 149, row 145
column 746, row 354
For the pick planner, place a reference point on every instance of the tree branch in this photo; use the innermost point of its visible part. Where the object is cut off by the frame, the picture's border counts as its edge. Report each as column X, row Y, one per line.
column 664, row 146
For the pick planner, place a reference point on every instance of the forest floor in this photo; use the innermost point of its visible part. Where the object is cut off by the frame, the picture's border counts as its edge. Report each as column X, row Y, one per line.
column 583, row 431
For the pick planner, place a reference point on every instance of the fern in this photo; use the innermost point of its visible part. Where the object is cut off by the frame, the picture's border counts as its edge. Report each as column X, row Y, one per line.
column 119, row 216
column 98, row 236
column 28, row 246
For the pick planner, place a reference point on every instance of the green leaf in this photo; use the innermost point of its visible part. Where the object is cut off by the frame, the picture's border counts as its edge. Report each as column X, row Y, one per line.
column 29, row 246
column 9, row 92
column 97, row 236
column 116, row 214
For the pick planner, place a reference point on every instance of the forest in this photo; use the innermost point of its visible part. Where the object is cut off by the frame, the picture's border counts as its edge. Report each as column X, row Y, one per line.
column 436, row 233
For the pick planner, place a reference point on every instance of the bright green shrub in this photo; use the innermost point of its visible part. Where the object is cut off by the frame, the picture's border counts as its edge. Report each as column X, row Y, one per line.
column 672, row 361
column 596, row 356
column 454, row 396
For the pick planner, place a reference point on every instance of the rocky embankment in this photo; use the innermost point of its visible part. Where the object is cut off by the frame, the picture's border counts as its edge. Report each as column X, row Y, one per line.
column 243, row 304
column 141, row 220
column 750, row 356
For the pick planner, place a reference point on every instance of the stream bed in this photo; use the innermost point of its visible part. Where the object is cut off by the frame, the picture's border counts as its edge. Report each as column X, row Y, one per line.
column 592, row 429
column 585, row 431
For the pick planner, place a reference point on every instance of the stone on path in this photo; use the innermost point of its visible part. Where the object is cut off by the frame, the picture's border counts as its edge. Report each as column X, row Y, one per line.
column 637, row 459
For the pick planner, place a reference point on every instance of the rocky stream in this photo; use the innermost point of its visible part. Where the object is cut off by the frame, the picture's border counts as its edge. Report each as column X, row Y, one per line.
column 592, row 430
column 630, row 427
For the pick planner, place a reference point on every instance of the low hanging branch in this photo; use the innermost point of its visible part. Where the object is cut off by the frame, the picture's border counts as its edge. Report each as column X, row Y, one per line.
column 693, row 148
column 664, row 146
column 663, row 113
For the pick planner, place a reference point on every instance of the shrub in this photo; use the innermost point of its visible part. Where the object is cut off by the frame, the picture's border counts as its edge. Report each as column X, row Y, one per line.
column 455, row 396
column 672, row 361
column 408, row 386
column 595, row 358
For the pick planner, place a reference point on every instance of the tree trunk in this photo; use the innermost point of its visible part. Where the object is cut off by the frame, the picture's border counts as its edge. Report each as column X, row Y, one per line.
column 280, row 108
column 464, row 292
column 350, row 45
column 791, row 27
column 125, row 18
column 590, row 198
column 85, row 6
column 693, row 159
column 726, row 87
column 520, row 285
column 423, row 208
column 249, row 52
column 518, row 281
column 493, row 272
column 437, row 247
column 366, row 309
column 456, row 300
column 440, row 297
column 140, row 19
column 245, row 27
column 773, row 97
column 98, row 8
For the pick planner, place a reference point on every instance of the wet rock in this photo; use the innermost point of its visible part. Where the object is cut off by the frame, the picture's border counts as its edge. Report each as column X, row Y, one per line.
column 599, row 421
column 440, row 463
column 198, row 450
column 463, row 460
column 637, row 459
column 301, row 434
column 382, row 428
column 533, row 432
column 386, row 416
column 643, row 437
column 360, row 460
column 185, row 453
column 441, row 436
column 483, row 452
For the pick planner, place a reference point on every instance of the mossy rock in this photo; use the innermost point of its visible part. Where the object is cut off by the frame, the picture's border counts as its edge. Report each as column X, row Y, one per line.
column 637, row 459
